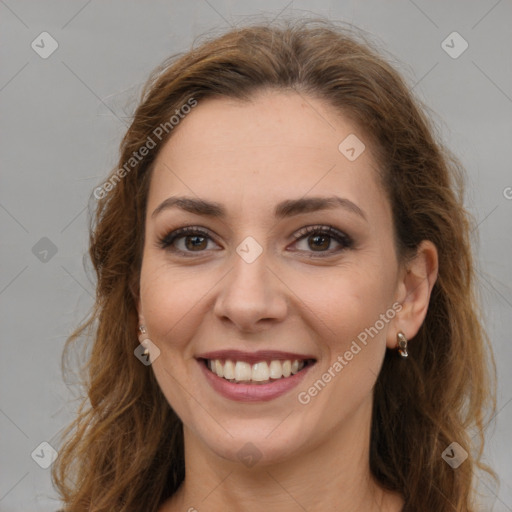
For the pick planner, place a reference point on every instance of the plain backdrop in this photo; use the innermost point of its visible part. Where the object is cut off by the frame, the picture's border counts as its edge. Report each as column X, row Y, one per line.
column 62, row 118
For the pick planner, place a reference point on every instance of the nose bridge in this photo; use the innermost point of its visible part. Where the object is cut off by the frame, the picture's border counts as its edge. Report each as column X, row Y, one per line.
column 250, row 292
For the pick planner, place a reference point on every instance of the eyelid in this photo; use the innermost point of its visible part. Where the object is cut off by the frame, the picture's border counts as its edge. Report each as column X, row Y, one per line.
column 323, row 229
column 342, row 238
column 165, row 242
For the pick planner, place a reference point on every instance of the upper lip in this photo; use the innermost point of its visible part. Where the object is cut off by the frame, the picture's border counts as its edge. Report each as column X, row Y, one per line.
column 254, row 357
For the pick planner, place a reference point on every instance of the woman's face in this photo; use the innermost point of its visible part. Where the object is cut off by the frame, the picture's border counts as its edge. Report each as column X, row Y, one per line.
column 273, row 268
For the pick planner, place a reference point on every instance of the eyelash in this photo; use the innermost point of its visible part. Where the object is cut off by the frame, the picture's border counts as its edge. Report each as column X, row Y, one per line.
column 343, row 239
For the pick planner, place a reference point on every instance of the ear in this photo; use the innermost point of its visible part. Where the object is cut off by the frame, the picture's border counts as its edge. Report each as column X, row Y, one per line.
column 417, row 278
column 142, row 321
column 135, row 291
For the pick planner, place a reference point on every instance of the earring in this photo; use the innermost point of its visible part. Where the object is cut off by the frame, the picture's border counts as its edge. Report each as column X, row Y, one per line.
column 402, row 344
column 142, row 330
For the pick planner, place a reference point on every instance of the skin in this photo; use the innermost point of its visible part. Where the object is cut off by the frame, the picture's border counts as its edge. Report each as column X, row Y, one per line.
column 249, row 156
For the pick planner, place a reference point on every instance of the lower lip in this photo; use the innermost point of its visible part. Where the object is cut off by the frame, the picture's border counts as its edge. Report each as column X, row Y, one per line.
column 253, row 392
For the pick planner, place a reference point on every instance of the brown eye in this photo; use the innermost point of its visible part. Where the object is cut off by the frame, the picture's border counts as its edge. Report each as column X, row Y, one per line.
column 194, row 242
column 319, row 239
column 319, row 242
column 186, row 240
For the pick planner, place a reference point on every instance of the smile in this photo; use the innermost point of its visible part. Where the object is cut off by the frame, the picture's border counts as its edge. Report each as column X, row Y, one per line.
column 262, row 372
column 254, row 376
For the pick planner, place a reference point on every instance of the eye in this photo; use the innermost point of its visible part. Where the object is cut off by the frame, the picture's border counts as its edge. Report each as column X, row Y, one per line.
column 315, row 239
column 186, row 240
column 320, row 239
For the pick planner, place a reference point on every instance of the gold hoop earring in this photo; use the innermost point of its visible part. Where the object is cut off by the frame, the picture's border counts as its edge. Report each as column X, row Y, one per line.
column 402, row 344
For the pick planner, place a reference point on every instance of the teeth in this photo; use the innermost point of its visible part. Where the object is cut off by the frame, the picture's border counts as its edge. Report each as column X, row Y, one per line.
column 229, row 370
column 276, row 370
column 219, row 370
column 260, row 372
column 264, row 371
column 242, row 371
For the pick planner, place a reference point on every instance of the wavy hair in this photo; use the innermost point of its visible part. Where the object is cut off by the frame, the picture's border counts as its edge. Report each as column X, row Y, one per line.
column 124, row 451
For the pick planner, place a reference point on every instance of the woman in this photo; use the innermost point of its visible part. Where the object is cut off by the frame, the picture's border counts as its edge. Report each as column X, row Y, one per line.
column 285, row 315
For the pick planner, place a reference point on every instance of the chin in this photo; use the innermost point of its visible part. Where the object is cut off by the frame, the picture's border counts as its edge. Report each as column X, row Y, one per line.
column 261, row 443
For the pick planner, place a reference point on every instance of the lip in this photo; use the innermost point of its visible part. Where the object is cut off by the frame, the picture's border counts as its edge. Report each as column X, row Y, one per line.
column 254, row 357
column 252, row 392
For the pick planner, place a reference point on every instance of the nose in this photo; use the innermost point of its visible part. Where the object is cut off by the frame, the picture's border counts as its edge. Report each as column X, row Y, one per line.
column 251, row 298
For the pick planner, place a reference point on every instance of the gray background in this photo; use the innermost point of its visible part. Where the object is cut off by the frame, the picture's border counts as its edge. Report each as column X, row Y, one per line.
column 62, row 119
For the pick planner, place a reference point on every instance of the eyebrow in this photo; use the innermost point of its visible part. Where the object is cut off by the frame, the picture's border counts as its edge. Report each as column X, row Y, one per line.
column 287, row 208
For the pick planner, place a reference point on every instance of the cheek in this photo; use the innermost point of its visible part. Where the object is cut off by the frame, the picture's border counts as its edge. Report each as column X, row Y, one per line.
column 347, row 311
column 343, row 303
column 168, row 297
column 347, row 318
column 171, row 302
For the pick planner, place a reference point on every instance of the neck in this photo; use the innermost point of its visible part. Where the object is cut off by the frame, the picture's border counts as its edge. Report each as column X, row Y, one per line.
column 333, row 471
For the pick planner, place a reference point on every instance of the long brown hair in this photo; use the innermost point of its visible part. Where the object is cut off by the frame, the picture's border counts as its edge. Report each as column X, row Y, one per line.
column 124, row 451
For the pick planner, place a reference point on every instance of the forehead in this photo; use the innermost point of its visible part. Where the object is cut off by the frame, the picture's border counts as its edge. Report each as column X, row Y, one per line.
column 279, row 145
